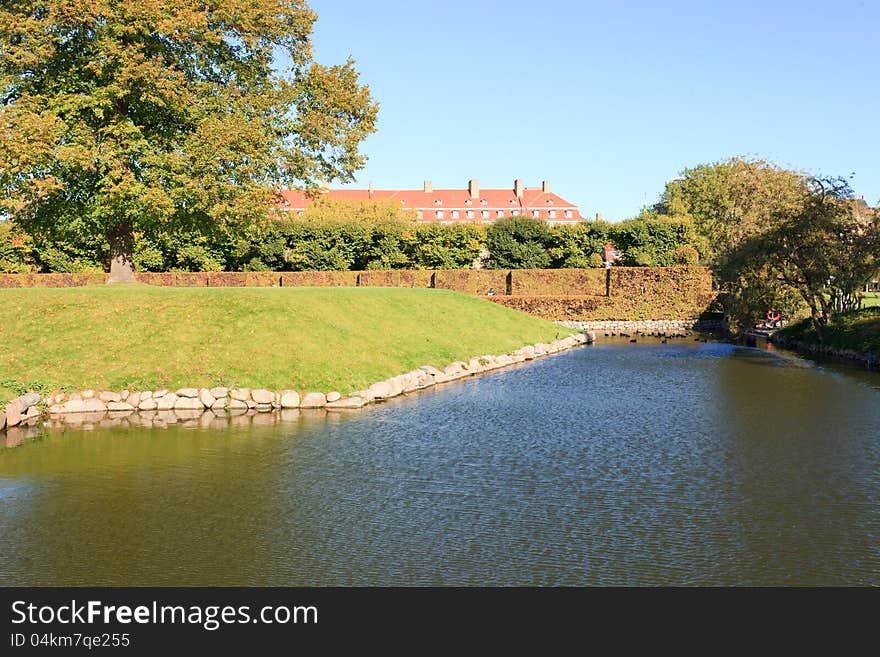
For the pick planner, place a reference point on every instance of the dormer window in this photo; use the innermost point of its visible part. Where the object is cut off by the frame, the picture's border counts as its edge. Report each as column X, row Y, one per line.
column 484, row 202
column 511, row 201
column 549, row 201
column 468, row 202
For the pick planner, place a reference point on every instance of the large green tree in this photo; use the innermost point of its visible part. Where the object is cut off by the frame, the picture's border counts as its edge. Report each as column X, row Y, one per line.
column 823, row 250
column 777, row 237
column 118, row 117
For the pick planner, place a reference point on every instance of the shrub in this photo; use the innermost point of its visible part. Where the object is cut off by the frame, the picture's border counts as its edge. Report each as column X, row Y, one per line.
column 685, row 255
column 519, row 243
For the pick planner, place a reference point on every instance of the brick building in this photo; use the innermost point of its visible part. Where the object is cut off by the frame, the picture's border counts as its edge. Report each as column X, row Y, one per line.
column 458, row 205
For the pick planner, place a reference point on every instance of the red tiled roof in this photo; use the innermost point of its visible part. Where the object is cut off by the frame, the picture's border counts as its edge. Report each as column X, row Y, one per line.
column 451, row 199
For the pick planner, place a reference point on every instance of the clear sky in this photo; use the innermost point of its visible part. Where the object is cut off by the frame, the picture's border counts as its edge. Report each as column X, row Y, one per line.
column 609, row 100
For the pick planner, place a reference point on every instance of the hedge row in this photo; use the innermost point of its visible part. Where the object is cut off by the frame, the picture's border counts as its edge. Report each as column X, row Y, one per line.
column 600, row 308
column 575, row 294
column 52, row 280
column 558, row 281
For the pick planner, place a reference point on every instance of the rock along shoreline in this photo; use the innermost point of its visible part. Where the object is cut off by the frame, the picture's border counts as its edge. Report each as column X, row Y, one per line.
column 31, row 408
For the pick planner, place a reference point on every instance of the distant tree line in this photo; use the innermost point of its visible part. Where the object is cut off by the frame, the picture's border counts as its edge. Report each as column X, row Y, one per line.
column 373, row 235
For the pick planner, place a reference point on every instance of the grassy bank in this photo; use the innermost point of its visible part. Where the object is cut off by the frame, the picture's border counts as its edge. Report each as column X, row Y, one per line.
column 324, row 339
column 858, row 330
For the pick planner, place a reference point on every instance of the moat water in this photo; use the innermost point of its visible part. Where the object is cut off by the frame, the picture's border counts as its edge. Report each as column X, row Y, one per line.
column 685, row 463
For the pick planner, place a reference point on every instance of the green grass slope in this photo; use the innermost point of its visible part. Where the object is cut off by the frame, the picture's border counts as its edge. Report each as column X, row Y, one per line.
column 858, row 330
column 324, row 339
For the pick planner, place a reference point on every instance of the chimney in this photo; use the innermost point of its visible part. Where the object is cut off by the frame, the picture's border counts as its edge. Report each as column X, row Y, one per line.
column 545, row 186
column 474, row 188
column 598, row 216
column 371, row 189
column 429, row 188
column 518, row 188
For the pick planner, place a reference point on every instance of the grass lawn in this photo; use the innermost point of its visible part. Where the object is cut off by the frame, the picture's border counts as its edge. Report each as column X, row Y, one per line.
column 145, row 338
column 871, row 300
column 858, row 330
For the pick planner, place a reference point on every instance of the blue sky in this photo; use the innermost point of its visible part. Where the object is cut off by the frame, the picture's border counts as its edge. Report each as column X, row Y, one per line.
column 610, row 100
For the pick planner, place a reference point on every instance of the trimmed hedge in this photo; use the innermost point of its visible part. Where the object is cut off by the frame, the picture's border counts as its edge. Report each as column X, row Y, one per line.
column 52, row 280
column 472, row 281
column 319, row 278
column 533, row 282
column 572, row 308
column 636, row 293
column 421, row 278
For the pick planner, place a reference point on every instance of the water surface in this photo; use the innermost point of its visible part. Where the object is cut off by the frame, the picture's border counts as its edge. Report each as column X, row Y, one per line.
column 685, row 463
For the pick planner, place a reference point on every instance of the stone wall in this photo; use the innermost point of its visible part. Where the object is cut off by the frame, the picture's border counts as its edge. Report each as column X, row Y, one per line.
column 166, row 406
column 658, row 326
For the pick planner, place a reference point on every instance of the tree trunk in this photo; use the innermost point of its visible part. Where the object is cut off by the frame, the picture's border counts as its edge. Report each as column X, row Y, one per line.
column 121, row 254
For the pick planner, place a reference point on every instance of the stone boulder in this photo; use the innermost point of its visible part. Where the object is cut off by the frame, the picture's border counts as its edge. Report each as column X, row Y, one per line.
column 188, row 404
column 219, row 392
column 148, row 404
column 314, row 400
column 109, row 396
column 289, row 399
column 241, row 394
column 13, row 413
column 380, row 390
column 29, row 399
column 347, row 402
column 206, row 398
column 167, row 402
column 333, row 396
column 188, row 392
column 262, row 396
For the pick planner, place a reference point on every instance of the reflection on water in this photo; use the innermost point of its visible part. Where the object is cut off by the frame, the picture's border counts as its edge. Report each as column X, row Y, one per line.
column 684, row 463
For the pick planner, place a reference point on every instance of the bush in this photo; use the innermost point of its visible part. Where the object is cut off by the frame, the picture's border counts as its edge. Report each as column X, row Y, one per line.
column 685, row 255
column 519, row 243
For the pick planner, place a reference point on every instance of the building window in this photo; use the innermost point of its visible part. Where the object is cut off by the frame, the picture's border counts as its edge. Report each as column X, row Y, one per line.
column 484, row 214
column 419, row 214
column 515, row 213
column 549, row 201
column 437, row 202
column 470, row 214
column 484, row 202
column 553, row 214
column 455, row 214
column 536, row 213
column 468, row 202
column 499, row 213
column 568, row 214
column 438, row 214
column 299, row 213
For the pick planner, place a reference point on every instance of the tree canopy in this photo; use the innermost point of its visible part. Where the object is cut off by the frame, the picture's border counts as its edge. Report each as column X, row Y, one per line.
column 778, row 238
column 124, row 116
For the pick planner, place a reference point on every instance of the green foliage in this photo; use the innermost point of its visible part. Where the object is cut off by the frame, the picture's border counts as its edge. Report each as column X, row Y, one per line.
column 858, row 330
column 819, row 250
column 685, row 255
column 519, row 243
column 124, row 117
column 15, row 251
column 453, row 246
